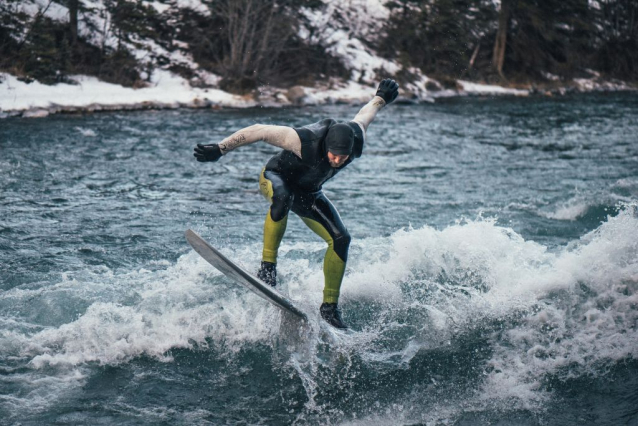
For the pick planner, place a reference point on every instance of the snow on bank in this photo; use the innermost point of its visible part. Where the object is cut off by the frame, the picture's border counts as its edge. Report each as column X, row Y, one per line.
column 485, row 89
column 91, row 94
column 170, row 91
column 597, row 84
column 167, row 90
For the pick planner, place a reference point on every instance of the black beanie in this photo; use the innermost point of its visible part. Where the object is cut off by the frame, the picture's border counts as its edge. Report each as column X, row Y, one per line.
column 340, row 139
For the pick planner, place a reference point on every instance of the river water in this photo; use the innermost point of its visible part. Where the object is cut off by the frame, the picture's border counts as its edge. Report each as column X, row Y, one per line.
column 493, row 274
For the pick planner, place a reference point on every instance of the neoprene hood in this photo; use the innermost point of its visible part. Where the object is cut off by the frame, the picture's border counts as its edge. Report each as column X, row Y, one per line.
column 340, row 139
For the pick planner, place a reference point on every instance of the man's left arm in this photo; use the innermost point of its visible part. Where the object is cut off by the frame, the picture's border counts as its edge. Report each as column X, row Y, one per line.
column 386, row 93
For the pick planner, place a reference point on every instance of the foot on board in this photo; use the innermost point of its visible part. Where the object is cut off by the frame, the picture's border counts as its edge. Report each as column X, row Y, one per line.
column 332, row 315
column 268, row 273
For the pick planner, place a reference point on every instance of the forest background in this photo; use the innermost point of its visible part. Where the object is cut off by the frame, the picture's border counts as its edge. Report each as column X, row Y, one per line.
column 247, row 44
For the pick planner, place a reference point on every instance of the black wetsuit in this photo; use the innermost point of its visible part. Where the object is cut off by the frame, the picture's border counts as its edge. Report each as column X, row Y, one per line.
column 312, row 170
column 296, row 185
column 297, row 182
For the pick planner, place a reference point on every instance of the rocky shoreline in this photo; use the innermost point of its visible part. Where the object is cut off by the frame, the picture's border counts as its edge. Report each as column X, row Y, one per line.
column 168, row 91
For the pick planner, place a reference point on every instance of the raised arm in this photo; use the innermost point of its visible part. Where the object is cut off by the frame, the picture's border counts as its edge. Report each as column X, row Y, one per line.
column 367, row 114
column 279, row 136
column 386, row 93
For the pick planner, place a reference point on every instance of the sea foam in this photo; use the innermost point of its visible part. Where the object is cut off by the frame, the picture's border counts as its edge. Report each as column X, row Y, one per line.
column 562, row 311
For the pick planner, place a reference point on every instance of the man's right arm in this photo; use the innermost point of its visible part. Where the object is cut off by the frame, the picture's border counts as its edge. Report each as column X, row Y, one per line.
column 280, row 136
column 386, row 93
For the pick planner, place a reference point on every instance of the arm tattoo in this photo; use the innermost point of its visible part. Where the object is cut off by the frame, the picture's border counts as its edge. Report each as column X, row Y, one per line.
column 379, row 103
column 233, row 143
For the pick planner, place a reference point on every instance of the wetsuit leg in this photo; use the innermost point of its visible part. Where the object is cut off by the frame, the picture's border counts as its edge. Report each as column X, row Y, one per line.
column 320, row 215
column 278, row 192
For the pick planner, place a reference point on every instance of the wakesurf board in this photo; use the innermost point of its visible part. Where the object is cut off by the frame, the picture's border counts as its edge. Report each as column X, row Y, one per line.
column 240, row 276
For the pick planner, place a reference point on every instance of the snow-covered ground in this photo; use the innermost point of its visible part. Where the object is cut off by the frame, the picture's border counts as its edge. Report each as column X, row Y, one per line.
column 342, row 27
column 168, row 90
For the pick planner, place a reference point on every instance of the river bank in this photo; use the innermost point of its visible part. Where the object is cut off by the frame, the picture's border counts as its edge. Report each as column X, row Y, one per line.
column 19, row 97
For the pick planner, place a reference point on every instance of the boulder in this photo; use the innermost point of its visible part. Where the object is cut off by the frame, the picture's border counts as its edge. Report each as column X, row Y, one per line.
column 296, row 95
column 35, row 113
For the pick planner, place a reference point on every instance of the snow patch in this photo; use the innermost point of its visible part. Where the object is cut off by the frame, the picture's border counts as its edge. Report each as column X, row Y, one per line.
column 195, row 5
column 596, row 84
column 340, row 28
column 167, row 90
column 486, row 89
column 47, row 8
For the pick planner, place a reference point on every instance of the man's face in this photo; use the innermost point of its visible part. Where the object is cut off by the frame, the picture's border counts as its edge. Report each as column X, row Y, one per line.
column 336, row 160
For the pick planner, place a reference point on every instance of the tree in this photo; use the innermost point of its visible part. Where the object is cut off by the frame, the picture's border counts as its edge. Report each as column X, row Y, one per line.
column 73, row 20
column 254, row 36
column 500, row 43
column 543, row 36
column 442, row 37
column 617, row 38
column 255, row 42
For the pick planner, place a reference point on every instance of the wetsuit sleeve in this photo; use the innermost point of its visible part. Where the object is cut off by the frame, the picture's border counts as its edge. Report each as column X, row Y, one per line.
column 368, row 112
column 279, row 136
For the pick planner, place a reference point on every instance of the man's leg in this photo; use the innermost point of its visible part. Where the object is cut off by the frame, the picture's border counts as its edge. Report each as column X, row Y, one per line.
column 273, row 187
column 320, row 215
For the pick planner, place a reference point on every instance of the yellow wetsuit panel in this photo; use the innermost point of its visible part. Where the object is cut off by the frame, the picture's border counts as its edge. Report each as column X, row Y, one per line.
column 333, row 267
column 273, row 230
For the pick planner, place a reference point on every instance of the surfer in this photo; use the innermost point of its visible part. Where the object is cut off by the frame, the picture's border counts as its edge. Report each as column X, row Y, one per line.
column 293, row 178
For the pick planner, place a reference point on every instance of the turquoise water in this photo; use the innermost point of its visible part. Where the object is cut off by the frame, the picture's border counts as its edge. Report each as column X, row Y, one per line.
column 493, row 274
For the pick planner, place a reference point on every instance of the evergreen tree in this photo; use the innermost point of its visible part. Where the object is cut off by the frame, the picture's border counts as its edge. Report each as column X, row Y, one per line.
column 442, row 37
column 616, row 38
column 548, row 36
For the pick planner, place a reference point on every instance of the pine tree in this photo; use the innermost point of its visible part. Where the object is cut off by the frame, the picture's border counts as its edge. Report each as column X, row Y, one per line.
column 442, row 37
column 616, row 38
column 548, row 36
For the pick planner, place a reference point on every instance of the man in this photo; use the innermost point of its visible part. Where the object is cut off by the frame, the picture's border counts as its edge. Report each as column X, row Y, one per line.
column 292, row 180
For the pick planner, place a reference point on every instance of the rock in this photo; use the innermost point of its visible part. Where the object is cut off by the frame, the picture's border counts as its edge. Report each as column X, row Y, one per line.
column 407, row 97
column 282, row 99
column 406, row 100
column 199, row 102
column 433, row 86
column 296, row 95
column 35, row 113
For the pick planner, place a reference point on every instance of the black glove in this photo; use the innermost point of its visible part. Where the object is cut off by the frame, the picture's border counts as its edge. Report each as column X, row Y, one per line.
column 209, row 152
column 388, row 90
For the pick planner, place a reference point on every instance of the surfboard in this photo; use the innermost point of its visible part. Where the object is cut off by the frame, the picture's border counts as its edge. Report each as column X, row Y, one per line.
column 240, row 276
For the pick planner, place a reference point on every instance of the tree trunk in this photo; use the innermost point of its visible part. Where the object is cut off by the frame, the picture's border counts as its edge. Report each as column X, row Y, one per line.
column 474, row 54
column 73, row 20
column 498, row 57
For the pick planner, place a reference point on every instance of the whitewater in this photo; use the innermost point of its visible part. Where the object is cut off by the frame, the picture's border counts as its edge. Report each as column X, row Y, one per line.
column 493, row 274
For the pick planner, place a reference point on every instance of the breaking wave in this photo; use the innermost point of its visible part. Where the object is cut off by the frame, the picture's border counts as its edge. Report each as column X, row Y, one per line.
column 472, row 313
